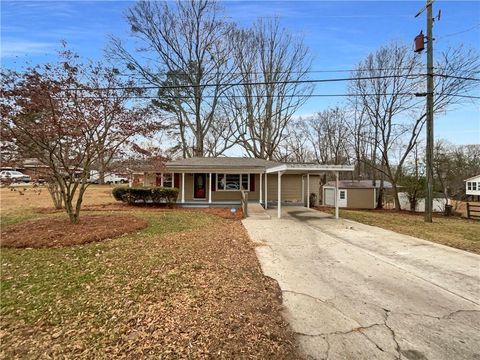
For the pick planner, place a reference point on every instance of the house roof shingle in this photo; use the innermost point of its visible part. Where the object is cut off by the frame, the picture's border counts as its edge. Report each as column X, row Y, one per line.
column 222, row 162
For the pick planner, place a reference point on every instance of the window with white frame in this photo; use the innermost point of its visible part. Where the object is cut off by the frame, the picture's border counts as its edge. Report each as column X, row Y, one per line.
column 233, row 182
column 342, row 194
column 167, row 179
column 469, row 185
column 474, row 186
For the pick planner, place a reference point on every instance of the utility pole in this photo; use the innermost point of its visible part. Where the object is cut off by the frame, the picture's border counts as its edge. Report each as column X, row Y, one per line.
column 429, row 119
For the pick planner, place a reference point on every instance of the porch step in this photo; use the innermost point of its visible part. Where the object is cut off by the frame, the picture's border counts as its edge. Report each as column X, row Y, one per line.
column 256, row 211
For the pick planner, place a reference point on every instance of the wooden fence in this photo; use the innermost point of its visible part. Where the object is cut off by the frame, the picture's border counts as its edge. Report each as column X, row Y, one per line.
column 473, row 211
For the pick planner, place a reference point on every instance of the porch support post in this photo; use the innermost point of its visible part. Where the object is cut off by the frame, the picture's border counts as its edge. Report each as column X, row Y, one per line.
column 303, row 190
column 210, row 188
column 279, row 195
column 261, row 189
column 336, row 194
column 183, row 187
column 308, row 190
column 266, row 191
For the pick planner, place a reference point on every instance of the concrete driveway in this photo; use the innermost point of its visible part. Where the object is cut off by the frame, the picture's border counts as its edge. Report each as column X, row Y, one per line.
column 353, row 291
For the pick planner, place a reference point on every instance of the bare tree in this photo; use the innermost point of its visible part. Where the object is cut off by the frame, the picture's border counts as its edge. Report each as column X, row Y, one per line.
column 296, row 146
column 395, row 116
column 383, row 84
column 328, row 133
column 51, row 112
column 271, row 63
column 121, row 115
column 180, row 49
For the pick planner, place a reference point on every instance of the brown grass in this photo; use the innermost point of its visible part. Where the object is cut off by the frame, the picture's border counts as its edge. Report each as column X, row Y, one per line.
column 23, row 198
column 188, row 286
column 455, row 232
column 55, row 232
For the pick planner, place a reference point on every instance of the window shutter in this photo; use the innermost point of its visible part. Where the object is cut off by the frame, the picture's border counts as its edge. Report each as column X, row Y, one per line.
column 252, row 182
column 214, row 182
column 176, row 180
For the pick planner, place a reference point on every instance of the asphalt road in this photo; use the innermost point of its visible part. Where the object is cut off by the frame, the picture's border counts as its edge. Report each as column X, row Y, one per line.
column 352, row 291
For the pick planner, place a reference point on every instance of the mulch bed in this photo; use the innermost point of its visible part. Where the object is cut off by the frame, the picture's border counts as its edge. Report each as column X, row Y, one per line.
column 60, row 232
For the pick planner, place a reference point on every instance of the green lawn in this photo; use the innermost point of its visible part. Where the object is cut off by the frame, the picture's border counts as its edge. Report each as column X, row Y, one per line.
column 455, row 232
column 186, row 286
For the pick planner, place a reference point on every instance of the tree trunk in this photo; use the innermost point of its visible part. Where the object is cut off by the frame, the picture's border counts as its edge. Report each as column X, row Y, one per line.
column 55, row 193
column 72, row 214
column 396, row 197
column 413, row 202
column 380, row 194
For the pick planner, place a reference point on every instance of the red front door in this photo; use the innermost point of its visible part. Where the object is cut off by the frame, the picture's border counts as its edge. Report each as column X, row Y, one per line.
column 199, row 186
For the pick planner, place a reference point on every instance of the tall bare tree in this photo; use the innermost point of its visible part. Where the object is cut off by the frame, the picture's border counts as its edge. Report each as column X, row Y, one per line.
column 328, row 135
column 384, row 83
column 271, row 63
column 395, row 115
column 181, row 48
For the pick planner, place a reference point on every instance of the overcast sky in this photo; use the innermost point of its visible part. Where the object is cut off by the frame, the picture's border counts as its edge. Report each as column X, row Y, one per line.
column 339, row 34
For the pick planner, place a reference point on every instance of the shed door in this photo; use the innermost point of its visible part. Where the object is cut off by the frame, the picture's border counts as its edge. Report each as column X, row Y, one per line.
column 329, row 197
column 342, row 198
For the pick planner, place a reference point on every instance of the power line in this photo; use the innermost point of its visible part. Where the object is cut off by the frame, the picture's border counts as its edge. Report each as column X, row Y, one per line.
column 181, row 73
column 282, row 82
column 459, row 32
column 457, row 77
column 273, row 96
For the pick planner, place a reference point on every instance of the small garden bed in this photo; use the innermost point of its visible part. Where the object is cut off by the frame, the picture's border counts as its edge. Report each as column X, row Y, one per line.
column 57, row 232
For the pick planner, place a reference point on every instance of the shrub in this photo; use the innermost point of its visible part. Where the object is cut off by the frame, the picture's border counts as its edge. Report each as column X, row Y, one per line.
column 118, row 193
column 144, row 195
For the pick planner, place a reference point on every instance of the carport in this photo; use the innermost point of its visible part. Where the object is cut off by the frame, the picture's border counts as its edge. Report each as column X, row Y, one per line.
column 304, row 170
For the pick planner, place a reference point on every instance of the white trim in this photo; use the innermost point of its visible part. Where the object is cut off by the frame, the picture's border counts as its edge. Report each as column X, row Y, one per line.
column 183, row 187
column 266, row 191
column 279, row 195
column 230, row 190
column 308, row 191
column 162, row 180
column 303, row 190
column 210, row 188
column 261, row 188
column 309, row 168
column 336, row 195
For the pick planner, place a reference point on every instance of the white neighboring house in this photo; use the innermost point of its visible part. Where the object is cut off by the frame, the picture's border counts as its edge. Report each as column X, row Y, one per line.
column 472, row 186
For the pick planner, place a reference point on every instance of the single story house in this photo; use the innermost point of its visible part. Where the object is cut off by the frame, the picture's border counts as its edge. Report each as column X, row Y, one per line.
column 208, row 181
column 353, row 194
column 472, row 186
